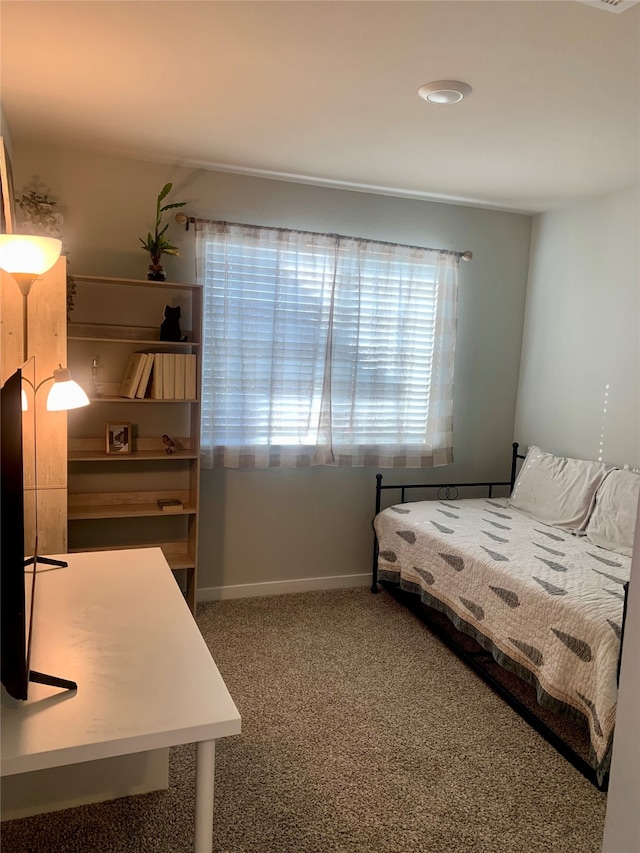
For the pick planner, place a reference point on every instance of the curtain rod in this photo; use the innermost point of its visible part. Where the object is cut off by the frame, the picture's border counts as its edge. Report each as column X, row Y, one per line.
column 183, row 219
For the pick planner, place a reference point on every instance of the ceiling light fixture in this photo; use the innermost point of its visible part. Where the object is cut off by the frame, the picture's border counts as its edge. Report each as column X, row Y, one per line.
column 444, row 91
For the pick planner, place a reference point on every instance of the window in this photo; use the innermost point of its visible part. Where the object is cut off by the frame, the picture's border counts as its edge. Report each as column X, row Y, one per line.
column 321, row 349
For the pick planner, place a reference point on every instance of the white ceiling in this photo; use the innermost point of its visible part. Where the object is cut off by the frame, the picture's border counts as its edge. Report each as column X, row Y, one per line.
column 327, row 91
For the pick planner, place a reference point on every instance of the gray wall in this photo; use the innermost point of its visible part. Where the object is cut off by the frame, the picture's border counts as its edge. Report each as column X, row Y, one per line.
column 276, row 525
column 579, row 390
column 580, row 342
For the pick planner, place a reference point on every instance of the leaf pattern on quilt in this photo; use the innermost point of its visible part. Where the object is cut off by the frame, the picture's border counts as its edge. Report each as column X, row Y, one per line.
column 494, row 503
column 605, row 561
column 549, row 550
column 450, row 514
column 609, row 577
column 615, row 593
column 408, row 536
column 454, row 561
column 550, row 535
column 472, row 607
column 500, row 514
column 448, row 501
column 557, row 567
column 441, row 527
column 508, row 596
column 399, row 510
column 550, row 588
column 494, row 554
column 534, row 655
column 496, row 524
column 616, row 628
column 495, row 537
column 426, row 576
column 596, row 722
column 578, row 647
column 389, row 556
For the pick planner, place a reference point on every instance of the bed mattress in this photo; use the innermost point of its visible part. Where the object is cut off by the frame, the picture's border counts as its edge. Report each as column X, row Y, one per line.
column 545, row 602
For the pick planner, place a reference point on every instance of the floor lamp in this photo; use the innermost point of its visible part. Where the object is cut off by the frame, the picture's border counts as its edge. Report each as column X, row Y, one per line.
column 25, row 258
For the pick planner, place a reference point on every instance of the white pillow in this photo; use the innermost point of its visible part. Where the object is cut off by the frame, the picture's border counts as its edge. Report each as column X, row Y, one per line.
column 556, row 490
column 613, row 521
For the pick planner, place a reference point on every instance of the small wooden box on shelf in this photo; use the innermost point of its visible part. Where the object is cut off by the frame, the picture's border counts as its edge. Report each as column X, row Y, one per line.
column 113, row 496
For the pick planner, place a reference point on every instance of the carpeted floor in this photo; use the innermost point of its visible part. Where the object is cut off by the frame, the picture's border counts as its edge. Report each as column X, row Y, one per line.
column 362, row 733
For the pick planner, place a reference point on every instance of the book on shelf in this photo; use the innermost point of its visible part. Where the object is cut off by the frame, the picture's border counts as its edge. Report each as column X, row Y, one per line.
column 170, row 505
column 168, row 376
column 156, row 376
column 190, row 388
column 132, row 374
column 180, row 375
column 173, row 377
column 143, row 385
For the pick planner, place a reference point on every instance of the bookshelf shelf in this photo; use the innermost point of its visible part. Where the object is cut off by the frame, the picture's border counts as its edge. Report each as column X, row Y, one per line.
column 135, row 456
column 113, row 506
column 134, row 282
column 150, row 510
column 147, row 336
column 141, row 342
column 115, row 399
column 175, row 553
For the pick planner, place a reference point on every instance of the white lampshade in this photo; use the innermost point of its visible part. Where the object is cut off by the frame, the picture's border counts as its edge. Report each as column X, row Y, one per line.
column 23, row 253
column 65, row 393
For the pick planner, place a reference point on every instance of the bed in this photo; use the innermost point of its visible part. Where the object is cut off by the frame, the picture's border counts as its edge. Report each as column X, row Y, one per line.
column 538, row 577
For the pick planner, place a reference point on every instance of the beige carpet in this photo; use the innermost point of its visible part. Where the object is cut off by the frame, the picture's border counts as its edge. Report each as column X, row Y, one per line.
column 361, row 733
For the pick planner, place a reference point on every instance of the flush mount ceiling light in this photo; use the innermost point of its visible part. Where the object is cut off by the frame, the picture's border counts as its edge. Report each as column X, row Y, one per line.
column 444, row 91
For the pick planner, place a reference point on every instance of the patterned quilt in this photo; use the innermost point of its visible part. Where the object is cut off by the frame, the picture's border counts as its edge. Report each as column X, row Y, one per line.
column 547, row 600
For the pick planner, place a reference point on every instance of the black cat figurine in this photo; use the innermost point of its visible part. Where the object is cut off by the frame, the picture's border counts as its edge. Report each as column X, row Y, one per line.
column 170, row 326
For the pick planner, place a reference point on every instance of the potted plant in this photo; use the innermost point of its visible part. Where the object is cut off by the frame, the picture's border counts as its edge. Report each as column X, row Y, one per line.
column 157, row 243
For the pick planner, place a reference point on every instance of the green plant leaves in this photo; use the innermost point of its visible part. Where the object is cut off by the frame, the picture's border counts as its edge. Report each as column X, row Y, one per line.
column 156, row 243
column 164, row 192
column 175, row 204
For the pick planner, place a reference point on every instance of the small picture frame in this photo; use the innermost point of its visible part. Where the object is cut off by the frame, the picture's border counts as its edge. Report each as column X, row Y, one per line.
column 118, row 437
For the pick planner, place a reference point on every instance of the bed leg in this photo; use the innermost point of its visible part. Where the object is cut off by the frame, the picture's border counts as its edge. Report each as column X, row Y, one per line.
column 624, row 619
column 374, row 569
column 514, row 464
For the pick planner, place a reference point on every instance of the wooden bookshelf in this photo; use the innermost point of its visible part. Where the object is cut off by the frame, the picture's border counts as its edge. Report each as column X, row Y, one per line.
column 113, row 497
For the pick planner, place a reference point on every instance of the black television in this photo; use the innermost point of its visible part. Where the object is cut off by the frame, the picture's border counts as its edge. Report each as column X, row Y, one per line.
column 19, row 556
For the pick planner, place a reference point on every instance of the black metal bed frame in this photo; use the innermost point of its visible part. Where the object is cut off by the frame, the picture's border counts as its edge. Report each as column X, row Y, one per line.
column 449, row 491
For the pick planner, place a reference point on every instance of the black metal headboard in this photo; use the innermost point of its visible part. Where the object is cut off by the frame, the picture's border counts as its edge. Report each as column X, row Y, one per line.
column 444, row 491
column 403, row 487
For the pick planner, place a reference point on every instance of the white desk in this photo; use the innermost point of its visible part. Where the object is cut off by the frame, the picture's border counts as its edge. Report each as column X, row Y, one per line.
column 116, row 623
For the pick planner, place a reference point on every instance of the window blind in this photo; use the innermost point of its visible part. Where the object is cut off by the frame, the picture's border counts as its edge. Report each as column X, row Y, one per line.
column 321, row 349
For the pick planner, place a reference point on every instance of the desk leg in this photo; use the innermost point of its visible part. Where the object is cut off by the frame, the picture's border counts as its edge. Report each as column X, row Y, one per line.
column 205, row 772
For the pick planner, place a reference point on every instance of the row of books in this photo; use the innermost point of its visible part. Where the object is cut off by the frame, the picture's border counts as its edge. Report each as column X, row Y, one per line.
column 160, row 375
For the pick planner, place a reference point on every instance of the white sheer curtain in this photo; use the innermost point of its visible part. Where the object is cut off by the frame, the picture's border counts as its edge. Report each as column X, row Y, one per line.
column 321, row 349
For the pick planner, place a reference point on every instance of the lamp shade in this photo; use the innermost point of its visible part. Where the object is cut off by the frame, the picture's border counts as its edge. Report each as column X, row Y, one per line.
column 65, row 393
column 23, row 253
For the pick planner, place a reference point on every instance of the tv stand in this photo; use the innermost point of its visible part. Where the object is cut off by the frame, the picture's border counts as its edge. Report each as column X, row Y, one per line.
column 51, row 680
column 46, row 561
column 36, row 677
column 118, row 621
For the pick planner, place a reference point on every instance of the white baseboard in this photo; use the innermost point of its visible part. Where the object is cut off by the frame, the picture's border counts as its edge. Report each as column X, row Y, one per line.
column 250, row 590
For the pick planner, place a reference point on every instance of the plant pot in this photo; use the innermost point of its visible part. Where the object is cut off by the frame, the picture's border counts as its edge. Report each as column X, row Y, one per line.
column 156, row 272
